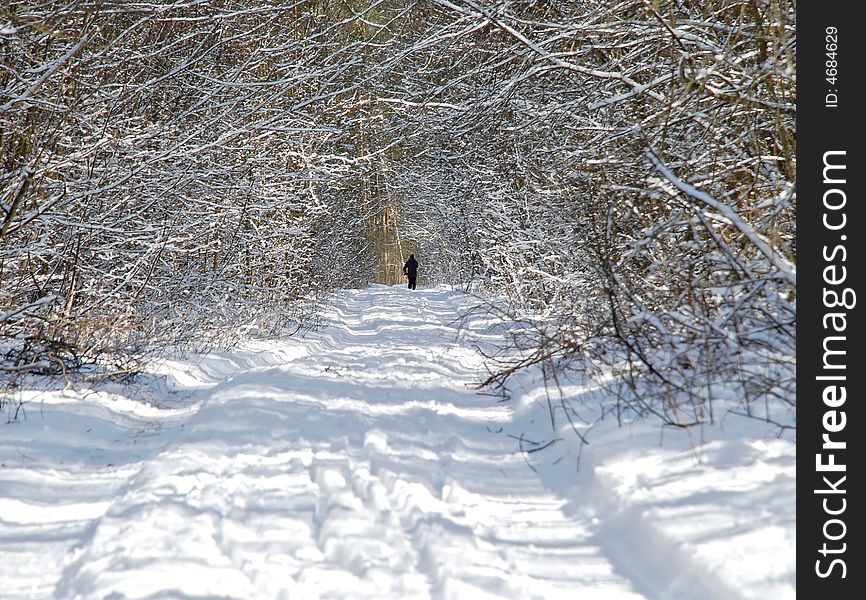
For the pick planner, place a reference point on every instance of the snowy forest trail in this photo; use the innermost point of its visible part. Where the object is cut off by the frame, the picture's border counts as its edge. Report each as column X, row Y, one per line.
column 355, row 462
column 366, row 468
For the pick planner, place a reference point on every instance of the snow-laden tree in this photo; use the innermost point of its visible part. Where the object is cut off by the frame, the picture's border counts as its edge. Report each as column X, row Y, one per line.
column 169, row 169
column 621, row 172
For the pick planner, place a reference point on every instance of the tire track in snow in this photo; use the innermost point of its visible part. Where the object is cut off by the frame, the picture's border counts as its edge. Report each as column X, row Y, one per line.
column 659, row 566
column 626, row 526
column 363, row 468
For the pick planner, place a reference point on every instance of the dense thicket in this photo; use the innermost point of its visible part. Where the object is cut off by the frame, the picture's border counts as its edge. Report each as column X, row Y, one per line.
column 169, row 170
column 622, row 172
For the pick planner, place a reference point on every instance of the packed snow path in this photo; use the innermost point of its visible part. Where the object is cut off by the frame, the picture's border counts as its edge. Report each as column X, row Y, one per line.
column 356, row 462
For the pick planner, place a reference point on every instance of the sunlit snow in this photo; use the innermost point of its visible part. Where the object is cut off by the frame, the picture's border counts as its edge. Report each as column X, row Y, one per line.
column 358, row 462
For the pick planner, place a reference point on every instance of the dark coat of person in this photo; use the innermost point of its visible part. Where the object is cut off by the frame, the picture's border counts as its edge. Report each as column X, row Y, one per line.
column 410, row 269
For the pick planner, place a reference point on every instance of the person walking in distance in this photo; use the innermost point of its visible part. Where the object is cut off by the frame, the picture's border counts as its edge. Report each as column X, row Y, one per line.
column 410, row 270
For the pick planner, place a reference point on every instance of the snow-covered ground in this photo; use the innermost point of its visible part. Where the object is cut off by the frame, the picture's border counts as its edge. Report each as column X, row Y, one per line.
column 357, row 462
